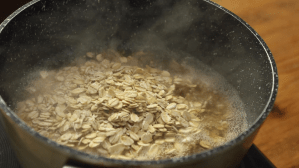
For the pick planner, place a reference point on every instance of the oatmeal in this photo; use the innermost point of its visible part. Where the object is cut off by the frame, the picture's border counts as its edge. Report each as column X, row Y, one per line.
column 114, row 109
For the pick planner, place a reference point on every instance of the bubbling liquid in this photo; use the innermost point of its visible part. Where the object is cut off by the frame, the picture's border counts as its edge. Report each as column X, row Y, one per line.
column 131, row 108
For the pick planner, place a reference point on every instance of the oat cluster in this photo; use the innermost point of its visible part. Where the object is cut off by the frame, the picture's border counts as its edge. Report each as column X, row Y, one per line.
column 116, row 110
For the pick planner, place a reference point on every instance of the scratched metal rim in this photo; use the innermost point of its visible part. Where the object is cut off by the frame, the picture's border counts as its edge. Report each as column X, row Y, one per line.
column 94, row 159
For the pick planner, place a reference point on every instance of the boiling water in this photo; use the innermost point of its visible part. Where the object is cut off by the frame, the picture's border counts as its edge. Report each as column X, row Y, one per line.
column 221, row 113
column 224, row 117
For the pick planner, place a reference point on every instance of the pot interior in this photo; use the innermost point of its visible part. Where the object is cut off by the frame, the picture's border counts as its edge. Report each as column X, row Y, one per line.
column 50, row 34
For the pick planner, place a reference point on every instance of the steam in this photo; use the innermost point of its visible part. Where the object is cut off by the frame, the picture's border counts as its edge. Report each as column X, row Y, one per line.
column 72, row 28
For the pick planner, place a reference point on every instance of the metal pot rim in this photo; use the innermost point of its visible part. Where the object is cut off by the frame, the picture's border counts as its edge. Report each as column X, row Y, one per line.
column 201, row 155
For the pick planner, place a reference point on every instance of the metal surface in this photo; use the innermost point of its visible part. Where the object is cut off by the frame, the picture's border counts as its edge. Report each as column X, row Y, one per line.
column 253, row 158
column 51, row 33
column 7, row 156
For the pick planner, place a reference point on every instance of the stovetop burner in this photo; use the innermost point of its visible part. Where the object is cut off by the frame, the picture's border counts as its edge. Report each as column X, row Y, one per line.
column 253, row 159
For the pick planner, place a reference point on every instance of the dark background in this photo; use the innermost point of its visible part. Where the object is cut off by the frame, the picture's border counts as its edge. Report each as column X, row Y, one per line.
column 8, row 7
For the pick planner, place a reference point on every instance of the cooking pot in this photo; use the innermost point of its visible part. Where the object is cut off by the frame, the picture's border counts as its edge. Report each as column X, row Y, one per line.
column 51, row 33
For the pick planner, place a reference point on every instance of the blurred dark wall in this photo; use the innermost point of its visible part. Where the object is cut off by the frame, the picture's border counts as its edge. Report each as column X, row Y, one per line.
column 8, row 7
